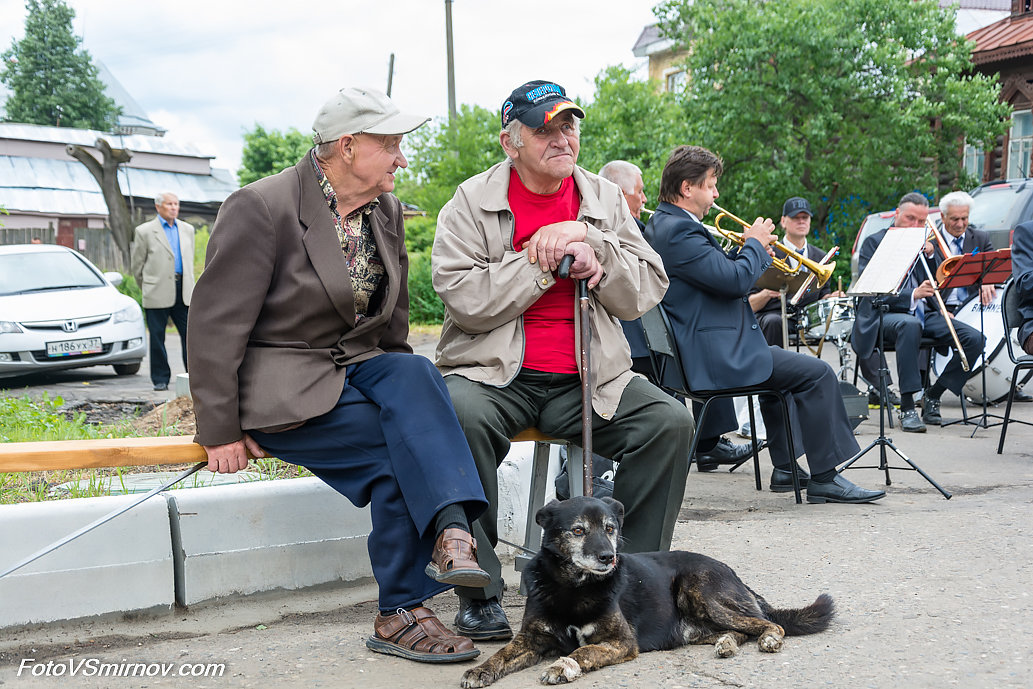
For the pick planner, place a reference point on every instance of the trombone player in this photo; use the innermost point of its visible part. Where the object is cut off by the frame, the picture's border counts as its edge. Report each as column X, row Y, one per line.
column 912, row 315
column 720, row 342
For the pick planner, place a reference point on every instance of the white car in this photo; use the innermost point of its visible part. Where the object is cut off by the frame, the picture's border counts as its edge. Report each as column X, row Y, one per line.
column 58, row 311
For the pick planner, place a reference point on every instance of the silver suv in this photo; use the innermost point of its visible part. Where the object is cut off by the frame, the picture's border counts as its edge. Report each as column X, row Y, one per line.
column 998, row 207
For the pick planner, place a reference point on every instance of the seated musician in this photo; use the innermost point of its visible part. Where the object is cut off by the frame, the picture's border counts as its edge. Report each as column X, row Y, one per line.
column 719, row 339
column 961, row 237
column 796, row 222
column 1022, row 274
column 913, row 314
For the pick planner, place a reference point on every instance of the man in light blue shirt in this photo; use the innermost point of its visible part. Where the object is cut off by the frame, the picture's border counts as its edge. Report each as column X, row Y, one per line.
column 163, row 264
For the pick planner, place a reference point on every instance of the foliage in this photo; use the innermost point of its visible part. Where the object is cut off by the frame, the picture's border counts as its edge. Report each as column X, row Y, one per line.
column 268, row 152
column 201, row 236
column 419, row 233
column 633, row 121
column 24, row 419
column 871, row 100
column 424, row 304
column 442, row 156
column 51, row 79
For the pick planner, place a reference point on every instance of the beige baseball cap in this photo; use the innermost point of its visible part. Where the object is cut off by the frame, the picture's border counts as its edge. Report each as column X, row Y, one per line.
column 361, row 111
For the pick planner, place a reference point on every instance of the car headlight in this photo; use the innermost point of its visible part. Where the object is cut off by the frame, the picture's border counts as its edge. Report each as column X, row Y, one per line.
column 126, row 315
column 10, row 327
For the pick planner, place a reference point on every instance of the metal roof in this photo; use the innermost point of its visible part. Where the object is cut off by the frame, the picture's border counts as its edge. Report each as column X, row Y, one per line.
column 65, row 187
column 87, row 137
column 1008, row 38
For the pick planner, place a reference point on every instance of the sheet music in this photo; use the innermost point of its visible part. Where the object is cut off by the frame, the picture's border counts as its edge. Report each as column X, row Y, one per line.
column 891, row 263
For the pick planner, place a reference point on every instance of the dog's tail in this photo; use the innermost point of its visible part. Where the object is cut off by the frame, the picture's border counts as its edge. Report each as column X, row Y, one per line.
column 810, row 620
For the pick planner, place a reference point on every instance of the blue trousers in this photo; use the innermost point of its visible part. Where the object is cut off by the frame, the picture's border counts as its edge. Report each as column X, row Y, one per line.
column 157, row 319
column 392, row 442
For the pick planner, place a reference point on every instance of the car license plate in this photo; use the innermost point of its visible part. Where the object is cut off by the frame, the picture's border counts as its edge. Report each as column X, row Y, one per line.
column 75, row 347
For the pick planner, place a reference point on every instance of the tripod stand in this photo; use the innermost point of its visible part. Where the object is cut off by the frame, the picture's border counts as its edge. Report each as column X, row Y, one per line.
column 882, row 442
column 975, row 270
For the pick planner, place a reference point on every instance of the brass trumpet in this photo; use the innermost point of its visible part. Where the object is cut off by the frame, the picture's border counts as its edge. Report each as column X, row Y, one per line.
column 822, row 271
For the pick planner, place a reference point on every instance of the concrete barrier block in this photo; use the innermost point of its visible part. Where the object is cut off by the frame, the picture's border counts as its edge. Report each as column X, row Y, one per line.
column 266, row 535
column 125, row 565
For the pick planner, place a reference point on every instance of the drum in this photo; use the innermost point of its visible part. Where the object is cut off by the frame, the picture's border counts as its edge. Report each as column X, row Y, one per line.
column 842, row 318
column 999, row 370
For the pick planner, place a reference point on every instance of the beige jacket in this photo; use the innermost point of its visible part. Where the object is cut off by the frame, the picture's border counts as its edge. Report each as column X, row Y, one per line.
column 486, row 285
column 154, row 266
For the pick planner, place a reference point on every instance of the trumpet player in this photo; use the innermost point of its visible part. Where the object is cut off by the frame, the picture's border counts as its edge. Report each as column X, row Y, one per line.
column 720, row 342
column 912, row 315
column 796, row 223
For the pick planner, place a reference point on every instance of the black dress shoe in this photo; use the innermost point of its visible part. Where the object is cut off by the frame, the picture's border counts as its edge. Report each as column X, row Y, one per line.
column 840, row 489
column 910, row 423
column 782, row 479
column 1021, row 396
column 931, row 411
column 725, row 452
column 482, row 620
column 161, row 386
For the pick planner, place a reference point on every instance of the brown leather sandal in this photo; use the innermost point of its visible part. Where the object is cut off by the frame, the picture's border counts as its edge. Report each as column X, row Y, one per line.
column 454, row 561
column 418, row 635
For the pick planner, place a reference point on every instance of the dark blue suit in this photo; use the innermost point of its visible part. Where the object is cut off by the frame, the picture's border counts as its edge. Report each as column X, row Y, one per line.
column 903, row 330
column 721, row 345
column 1022, row 273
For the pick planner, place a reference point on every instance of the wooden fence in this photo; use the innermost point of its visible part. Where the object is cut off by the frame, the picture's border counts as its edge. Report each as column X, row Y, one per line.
column 95, row 244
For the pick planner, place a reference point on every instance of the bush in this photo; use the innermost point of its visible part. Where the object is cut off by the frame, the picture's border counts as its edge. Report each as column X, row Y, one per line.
column 424, row 304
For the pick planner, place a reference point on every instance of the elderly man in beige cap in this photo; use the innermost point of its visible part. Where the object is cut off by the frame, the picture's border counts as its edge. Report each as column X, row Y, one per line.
column 297, row 345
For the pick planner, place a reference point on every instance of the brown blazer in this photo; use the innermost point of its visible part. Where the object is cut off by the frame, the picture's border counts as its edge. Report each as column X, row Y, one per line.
column 272, row 323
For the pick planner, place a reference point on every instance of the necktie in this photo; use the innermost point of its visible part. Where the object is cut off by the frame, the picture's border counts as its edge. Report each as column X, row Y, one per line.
column 962, row 292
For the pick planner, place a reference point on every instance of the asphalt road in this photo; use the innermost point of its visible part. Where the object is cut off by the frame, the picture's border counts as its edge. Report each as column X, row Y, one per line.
column 99, row 383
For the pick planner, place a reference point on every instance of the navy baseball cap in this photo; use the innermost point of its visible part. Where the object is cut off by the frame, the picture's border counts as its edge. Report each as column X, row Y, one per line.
column 536, row 103
column 795, row 206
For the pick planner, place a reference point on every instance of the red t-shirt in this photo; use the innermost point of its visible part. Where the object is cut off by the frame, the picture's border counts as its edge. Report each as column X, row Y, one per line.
column 549, row 322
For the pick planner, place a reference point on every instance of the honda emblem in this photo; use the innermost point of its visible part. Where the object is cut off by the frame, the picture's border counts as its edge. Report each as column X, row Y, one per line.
column 69, row 326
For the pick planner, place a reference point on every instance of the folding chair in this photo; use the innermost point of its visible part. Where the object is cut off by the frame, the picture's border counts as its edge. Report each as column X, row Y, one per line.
column 669, row 374
column 1012, row 319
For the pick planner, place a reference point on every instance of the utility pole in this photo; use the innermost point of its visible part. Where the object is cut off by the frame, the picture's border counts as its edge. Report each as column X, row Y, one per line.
column 451, row 63
column 390, row 73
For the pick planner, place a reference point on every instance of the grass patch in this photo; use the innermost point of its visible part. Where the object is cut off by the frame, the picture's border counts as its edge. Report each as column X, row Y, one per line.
column 24, row 419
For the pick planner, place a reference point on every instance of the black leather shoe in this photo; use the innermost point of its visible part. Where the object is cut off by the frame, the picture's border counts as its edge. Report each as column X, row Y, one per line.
column 161, row 386
column 1021, row 396
column 873, row 398
column 910, row 423
column 482, row 620
column 931, row 411
column 840, row 489
column 725, row 452
column 782, row 479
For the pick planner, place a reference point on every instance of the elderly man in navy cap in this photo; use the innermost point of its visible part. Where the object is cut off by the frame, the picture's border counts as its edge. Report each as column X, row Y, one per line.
column 507, row 347
column 298, row 350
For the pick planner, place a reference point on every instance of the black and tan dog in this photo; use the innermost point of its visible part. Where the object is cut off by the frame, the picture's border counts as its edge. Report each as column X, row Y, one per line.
column 594, row 607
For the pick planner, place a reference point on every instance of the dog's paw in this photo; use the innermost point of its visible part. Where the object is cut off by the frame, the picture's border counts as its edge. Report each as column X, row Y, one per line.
column 726, row 646
column 770, row 643
column 476, row 678
column 564, row 670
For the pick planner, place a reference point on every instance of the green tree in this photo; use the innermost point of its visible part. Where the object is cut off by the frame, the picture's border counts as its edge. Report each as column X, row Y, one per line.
column 849, row 103
column 442, row 156
column 52, row 80
column 268, row 152
column 633, row 121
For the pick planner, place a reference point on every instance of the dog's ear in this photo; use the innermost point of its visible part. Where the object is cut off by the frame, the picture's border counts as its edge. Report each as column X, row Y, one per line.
column 544, row 515
column 617, row 507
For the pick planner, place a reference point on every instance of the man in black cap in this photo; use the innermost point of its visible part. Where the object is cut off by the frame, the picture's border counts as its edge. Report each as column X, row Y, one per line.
column 796, row 223
column 507, row 347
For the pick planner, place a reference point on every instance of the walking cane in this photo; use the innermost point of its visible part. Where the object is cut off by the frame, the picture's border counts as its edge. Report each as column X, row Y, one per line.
column 585, row 364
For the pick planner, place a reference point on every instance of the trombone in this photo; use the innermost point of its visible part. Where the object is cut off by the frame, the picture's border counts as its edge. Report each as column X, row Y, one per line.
column 822, row 271
column 931, row 230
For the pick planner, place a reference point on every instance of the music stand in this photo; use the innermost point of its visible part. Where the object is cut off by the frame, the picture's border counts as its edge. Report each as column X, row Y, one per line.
column 775, row 279
column 979, row 268
column 883, row 277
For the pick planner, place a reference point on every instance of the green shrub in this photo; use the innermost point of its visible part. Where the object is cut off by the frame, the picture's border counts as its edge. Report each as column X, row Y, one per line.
column 424, row 304
column 419, row 233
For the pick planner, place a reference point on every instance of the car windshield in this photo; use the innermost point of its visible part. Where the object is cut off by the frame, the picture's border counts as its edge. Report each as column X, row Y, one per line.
column 45, row 271
column 993, row 206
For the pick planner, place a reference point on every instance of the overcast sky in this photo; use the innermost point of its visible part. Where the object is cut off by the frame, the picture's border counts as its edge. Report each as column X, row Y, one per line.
column 207, row 70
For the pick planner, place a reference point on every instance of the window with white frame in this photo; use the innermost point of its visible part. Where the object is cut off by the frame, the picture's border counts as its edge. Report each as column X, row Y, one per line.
column 1020, row 143
column 974, row 162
